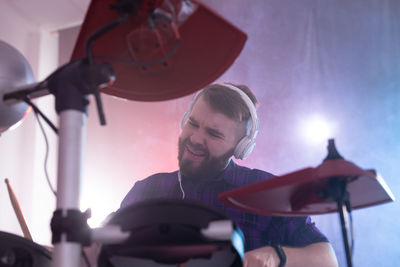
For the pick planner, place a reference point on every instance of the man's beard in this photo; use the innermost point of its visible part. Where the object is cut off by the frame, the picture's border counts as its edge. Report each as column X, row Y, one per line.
column 210, row 167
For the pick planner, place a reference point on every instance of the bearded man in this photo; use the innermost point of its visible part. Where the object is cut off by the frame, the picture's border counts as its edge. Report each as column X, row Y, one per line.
column 222, row 123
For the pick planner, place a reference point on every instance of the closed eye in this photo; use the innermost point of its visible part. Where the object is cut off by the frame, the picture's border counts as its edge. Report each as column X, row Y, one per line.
column 215, row 133
column 193, row 123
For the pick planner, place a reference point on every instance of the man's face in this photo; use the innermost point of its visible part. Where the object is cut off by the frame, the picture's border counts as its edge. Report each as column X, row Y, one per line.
column 207, row 141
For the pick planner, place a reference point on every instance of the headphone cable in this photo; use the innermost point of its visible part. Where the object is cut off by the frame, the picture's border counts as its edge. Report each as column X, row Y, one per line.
column 180, row 184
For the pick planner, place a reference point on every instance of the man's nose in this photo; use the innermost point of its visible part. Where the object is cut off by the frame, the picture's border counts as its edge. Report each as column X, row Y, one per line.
column 197, row 137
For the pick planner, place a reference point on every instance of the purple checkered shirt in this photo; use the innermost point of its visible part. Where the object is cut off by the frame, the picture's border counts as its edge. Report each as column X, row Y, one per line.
column 259, row 230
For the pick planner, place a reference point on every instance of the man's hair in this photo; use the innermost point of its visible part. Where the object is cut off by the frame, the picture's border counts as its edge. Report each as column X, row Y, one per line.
column 229, row 102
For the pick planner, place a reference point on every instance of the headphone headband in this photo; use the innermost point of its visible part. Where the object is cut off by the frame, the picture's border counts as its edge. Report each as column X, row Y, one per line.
column 250, row 106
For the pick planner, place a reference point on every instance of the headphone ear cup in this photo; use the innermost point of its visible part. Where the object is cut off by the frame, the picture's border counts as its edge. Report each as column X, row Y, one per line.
column 241, row 147
column 249, row 149
column 244, row 148
column 237, row 153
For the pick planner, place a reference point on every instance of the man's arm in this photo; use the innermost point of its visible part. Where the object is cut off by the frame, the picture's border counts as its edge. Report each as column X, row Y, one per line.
column 316, row 254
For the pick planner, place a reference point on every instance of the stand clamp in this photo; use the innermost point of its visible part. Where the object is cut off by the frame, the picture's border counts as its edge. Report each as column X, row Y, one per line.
column 73, row 225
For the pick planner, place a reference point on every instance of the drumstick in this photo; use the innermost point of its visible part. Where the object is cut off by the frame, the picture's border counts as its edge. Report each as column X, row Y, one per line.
column 18, row 211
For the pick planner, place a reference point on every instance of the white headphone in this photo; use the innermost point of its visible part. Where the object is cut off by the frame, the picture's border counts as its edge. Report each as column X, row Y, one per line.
column 247, row 143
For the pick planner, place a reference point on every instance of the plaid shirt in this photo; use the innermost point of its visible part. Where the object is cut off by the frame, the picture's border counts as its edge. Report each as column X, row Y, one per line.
column 259, row 230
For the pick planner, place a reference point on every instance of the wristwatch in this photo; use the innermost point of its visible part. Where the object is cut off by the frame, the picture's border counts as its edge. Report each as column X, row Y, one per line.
column 281, row 253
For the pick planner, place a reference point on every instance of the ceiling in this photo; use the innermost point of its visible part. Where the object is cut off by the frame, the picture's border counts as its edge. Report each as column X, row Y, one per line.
column 51, row 14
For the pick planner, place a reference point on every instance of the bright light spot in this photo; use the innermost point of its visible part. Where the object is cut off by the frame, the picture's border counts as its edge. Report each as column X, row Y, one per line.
column 316, row 130
column 99, row 199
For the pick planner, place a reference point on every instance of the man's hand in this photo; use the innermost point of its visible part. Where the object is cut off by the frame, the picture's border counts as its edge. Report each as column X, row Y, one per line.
column 317, row 254
column 261, row 257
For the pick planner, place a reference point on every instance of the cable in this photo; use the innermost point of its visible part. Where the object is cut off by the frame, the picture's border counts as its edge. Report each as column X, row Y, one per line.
column 37, row 111
column 100, row 32
column 46, row 154
column 143, row 63
column 180, row 184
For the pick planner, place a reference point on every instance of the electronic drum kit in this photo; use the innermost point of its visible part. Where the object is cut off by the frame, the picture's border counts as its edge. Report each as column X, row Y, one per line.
column 166, row 232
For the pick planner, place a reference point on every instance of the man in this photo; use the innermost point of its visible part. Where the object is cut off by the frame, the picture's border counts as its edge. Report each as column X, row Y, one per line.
column 222, row 122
